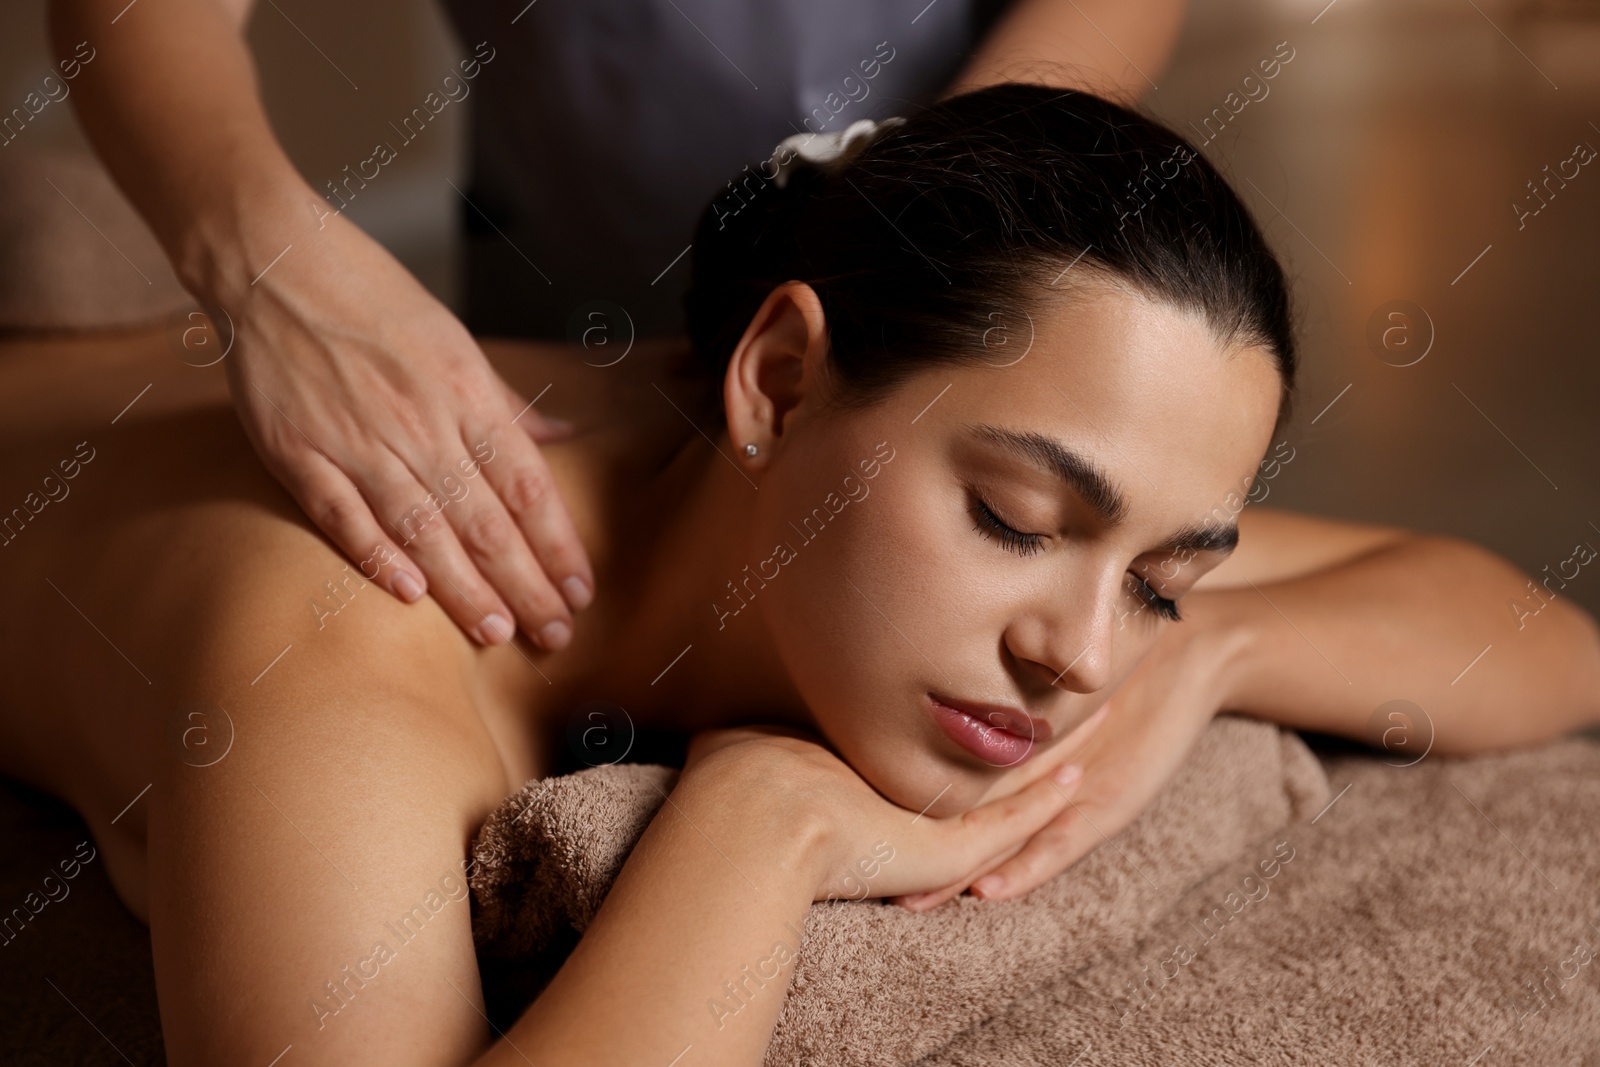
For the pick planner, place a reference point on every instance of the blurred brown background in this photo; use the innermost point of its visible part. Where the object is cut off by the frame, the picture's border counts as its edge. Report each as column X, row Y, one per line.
column 1385, row 161
column 1384, row 158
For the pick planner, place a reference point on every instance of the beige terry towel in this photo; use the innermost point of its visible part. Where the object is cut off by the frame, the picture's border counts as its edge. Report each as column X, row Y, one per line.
column 1443, row 913
column 1446, row 913
column 876, row 984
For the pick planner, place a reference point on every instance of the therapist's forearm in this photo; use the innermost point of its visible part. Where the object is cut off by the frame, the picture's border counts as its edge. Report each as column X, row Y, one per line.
column 1116, row 48
column 172, row 106
column 1409, row 621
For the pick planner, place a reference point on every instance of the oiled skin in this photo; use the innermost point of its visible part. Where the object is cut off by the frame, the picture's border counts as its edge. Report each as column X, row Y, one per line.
column 174, row 571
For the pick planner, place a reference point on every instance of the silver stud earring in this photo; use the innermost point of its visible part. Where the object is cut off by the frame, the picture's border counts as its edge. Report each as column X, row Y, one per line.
column 750, row 450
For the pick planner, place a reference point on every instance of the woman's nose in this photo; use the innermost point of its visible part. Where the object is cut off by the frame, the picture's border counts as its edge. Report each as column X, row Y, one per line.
column 1066, row 638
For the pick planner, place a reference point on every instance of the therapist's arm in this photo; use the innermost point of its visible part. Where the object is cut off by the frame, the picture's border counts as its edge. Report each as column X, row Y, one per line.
column 362, row 394
column 1115, row 48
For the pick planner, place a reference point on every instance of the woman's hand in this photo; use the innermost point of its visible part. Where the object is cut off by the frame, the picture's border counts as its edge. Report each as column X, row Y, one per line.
column 375, row 408
column 1152, row 720
column 861, row 845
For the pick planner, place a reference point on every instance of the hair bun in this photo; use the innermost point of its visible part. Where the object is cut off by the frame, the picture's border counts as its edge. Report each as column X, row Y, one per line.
column 747, row 236
column 819, row 150
column 974, row 207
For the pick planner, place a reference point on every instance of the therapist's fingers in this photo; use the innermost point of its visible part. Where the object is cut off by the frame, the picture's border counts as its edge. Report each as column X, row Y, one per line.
column 480, row 528
column 525, row 486
column 419, row 518
column 336, row 507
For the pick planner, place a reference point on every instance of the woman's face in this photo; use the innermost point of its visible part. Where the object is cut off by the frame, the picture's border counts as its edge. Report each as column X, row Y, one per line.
column 934, row 646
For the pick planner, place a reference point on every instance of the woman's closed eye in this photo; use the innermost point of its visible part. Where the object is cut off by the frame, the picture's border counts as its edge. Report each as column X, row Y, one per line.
column 988, row 524
column 1162, row 606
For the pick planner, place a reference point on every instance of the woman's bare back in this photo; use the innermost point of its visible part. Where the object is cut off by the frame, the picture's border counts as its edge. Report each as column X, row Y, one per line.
column 168, row 617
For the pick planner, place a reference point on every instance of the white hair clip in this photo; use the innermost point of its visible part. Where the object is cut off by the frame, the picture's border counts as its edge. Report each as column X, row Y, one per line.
column 815, row 149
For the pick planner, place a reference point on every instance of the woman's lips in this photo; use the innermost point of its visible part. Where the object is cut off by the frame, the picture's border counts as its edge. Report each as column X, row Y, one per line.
column 998, row 735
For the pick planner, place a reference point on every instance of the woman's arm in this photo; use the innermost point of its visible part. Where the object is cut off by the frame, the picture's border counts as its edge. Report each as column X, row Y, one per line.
column 1111, row 47
column 1316, row 624
column 695, row 944
column 690, row 957
column 1341, row 619
column 307, row 893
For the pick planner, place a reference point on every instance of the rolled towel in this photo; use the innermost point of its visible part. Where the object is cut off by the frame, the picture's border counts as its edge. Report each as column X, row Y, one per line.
column 546, row 857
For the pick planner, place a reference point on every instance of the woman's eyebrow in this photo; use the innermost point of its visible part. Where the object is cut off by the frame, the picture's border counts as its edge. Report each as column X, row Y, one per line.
column 1080, row 474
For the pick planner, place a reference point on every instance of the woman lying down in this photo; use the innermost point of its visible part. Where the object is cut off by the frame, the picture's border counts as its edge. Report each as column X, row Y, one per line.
column 962, row 575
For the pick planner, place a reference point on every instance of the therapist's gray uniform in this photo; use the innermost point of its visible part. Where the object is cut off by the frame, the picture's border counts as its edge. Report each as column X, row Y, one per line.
column 603, row 127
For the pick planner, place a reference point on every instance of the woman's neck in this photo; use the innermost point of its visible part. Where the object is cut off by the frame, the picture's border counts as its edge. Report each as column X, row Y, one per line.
column 668, row 544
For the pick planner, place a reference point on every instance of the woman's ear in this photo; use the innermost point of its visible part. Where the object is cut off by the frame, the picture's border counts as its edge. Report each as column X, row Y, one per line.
column 777, row 363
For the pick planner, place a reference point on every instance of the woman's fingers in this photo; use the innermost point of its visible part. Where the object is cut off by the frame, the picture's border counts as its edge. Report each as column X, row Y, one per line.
column 1049, row 852
column 998, row 861
column 1057, row 792
column 987, row 832
column 1052, row 850
column 928, row 901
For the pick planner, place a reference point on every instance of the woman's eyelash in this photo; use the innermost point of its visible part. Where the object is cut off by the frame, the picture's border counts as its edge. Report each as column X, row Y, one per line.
column 989, row 524
column 1167, row 609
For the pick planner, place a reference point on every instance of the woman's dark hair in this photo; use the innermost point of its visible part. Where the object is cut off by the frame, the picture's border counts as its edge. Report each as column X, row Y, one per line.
column 973, row 209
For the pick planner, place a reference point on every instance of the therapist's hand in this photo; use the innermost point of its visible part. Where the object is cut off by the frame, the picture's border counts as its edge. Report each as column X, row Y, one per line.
column 375, row 408
column 1152, row 721
column 361, row 393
